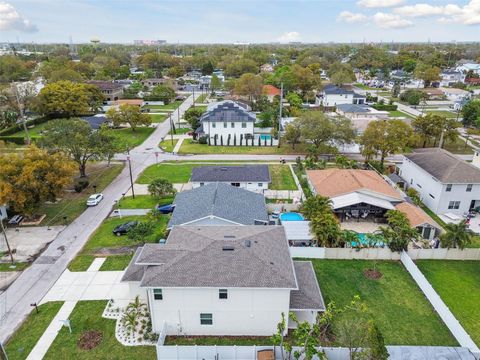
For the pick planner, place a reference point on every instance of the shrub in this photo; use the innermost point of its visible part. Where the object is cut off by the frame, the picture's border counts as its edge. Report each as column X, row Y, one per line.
column 80, row 185
column 203, row 140
column 385, row 107
column 411, row 96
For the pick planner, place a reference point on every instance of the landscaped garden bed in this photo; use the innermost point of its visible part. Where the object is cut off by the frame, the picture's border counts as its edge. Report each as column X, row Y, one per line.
column 458, row 284
column 396, row 304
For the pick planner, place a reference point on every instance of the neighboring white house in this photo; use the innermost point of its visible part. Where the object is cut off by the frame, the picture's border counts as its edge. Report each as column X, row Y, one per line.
column 454, row 94
column 466, row 67
column 224, row 280
column 446, row 184
column 3, row 212
column 227, row 118
column 218, row 204
column 361, row 115
column 451, row 76
column 250, row 177
column 333, row 95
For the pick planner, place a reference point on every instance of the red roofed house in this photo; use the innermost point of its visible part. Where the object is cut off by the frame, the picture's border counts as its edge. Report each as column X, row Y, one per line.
column 270, row 91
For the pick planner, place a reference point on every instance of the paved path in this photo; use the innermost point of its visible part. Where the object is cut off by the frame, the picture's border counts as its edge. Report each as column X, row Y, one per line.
column 32, row 285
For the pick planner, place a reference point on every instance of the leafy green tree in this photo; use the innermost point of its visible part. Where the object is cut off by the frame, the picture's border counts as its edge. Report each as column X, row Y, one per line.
column 427, row 73
column 414, row 195
column 207, row 68
column 192, row 116
column 294, row 100
column 240, row 67
column 293, row 133
column 409, row 65
column 385, row 137
column 215, row 83
column 471, row 113
column 314, row 205
column 76, row 138
column 67, row 99
column 428, row 126
column 412, row 96
column 162, row 93
column 456, row 235
column 323, row 131
column 128, row 114
column 250, row 85
column 160, row 188
column 12, row 68
column 341, row 73
column 65, row 75
column 142, row 230
column 376, row 343
column 156, row 62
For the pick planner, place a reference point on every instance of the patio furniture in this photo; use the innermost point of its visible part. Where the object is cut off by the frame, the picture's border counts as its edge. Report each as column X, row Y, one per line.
column 364, row 215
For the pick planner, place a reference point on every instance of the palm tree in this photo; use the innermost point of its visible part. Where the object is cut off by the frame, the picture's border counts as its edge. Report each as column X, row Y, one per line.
column 326, row 229
column 456, row 235
column 314, row 205
column 137, row 307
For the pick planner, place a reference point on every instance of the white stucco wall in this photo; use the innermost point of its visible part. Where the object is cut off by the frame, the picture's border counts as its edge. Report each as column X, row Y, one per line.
column 333, row 99
column 433, row 193
column 245, row 312
column 221, row 130
column 252, row 186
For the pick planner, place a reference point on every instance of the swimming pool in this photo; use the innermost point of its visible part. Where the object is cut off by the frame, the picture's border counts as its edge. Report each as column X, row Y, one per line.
column 265, row 137
column 368, row 240
column 291, row 216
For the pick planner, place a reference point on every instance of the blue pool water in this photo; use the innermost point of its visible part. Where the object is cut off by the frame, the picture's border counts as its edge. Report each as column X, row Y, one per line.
column 365, row 241
column 265, row 137
column 291, row 216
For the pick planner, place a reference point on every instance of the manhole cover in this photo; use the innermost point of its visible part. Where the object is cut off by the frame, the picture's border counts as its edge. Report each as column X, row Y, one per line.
column 46, row 260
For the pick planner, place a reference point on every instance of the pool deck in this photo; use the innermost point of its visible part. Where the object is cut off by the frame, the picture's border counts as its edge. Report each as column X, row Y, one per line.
column 360, row 227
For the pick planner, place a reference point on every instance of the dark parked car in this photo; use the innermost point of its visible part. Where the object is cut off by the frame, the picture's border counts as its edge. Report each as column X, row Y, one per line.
column 124, row 228
column 166, row 209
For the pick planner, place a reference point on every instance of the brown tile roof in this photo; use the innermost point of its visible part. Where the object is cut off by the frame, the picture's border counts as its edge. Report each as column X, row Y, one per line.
column 416, row 215
column 270, row 90
column 336, row 182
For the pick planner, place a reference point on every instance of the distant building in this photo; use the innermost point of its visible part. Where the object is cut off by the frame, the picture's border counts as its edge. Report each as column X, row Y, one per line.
column 451, row 76
column 149, row 42
column 466, row 67
column 270, row 92
column 455, row 94
column 333, row 95
column 111, row 90
column 361, row 115
column 268, row 68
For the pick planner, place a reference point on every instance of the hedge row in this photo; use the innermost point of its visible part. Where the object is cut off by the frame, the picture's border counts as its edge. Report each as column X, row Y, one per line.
column 385, row 107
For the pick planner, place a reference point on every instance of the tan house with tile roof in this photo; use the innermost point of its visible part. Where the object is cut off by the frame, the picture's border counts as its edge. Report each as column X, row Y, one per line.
column 420, row 220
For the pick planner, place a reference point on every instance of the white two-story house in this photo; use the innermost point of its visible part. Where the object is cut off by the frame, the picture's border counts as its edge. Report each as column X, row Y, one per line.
column 446, row 184
column 227, row 119
column 250, row 177
column 333, row 95
column 451, row 76
column 223, row 280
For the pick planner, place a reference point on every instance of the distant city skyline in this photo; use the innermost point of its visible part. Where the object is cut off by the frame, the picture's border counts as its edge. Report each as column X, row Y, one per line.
column 250, row 21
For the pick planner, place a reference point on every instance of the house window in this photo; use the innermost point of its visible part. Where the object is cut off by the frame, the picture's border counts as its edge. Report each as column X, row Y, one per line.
column 225, row 125
column 433, row 197
column 206, row 319
column 454, row 205
column 232, row 125
column 260, row 184
column 214, row 125
column 157, row 294
column 235, row 184
column 223, row 294
column 244, row 125
column 469, row 187
column 449, row 187
column 201, row 184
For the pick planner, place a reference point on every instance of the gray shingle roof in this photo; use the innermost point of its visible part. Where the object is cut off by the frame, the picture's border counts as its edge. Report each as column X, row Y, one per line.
column 308, row 295
column 219, row 200
column 134, row 272
column 265, row 263
column 228, row 111
column 335, row 90
column 244, row 173
column 445, row 166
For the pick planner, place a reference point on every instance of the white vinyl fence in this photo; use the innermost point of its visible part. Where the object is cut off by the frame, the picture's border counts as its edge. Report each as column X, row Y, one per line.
column 383, row 253
column 448, row 318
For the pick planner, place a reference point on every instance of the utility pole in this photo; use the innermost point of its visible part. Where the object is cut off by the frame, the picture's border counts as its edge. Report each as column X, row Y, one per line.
column 22, row 115
column 193, row 88
column 178, row 117
column 6, row 240
column 131, row 177
column 280, row 113
column 171, row 127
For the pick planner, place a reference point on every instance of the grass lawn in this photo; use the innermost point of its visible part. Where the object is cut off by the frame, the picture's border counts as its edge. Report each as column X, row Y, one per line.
column 87, row 316
column 143, row 202
column 73, row 204
column 458, row 284
column 201, row 98
column 447, row 114
column 25, row 338
column 219, row 340
column 180, row 131
column 167, row 144
column 457, row 147
column 104, row 238
column 18, row 266
column 170, row 107
column 189, row 147
column 201, row 107
column 133, row 138
column 116, row 263
column 398, row 113
column 282, row 178
column 364, row 87
column 35, row 132
column 158, row 118
column 394, row 301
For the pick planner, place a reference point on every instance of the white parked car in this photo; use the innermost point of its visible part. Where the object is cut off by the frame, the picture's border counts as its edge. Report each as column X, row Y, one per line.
column 94, row 199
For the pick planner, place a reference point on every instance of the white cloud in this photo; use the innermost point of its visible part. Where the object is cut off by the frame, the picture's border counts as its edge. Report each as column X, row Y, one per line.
column 467, row 15
column 379, row 3
column 390, row 21
column 350, row 17
column 10, row 19
column 289, row 36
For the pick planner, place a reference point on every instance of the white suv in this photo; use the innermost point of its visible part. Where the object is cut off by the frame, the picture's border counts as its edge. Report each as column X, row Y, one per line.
column 94, row 199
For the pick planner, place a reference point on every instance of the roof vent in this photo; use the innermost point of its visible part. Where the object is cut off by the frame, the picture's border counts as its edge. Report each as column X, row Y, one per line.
column 229, row 236
column 248, row 243
column 223, row 169
column 228, row 248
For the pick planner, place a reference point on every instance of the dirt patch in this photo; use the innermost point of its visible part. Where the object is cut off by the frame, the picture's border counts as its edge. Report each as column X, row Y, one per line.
column 123, row 250
column 34, row 220
column 90, row 340
column 372, row 274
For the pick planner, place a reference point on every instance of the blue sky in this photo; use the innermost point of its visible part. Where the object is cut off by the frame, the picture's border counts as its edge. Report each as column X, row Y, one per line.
column 226, row 21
